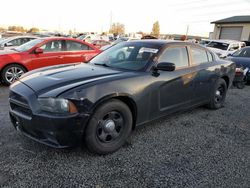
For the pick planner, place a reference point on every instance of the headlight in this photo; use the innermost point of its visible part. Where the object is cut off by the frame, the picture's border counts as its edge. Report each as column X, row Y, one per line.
column 57, row 105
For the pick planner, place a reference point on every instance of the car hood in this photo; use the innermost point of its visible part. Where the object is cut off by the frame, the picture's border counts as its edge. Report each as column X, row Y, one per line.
column 58, row 79
column 240, row 61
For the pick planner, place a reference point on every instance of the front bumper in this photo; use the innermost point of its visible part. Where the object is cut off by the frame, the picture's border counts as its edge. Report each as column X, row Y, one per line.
column 53, row 130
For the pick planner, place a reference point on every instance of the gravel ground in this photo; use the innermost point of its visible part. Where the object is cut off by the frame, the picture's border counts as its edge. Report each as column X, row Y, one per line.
column 199, row 148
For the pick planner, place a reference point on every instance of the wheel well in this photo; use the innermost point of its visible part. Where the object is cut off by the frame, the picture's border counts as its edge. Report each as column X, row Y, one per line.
column 132, row 106
column 128, row 101
column 14, row 64
column 226, row 80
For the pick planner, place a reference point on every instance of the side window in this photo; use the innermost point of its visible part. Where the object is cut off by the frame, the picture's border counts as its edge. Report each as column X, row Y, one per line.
column 210, row 57
column 199, row 55
column 52, row 46
column 24, row 40
column 76, row 46
column 176, row 55
column 15, row 42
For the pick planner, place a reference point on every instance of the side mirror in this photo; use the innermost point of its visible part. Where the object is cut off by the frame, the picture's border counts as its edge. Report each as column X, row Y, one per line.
column 165, row 66
column 228, row 55
column 38, row 51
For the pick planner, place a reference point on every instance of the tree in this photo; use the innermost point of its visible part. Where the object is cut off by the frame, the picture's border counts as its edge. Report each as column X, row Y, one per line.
column 2, row 29
column 156, row 29
column 16, row 28
column 117, row 28
column 33, row 30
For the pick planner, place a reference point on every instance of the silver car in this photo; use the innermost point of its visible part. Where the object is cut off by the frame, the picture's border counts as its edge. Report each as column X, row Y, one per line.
column 13, row 42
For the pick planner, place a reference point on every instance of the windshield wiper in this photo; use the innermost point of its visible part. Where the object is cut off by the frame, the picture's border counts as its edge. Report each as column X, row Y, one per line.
column 102, row 64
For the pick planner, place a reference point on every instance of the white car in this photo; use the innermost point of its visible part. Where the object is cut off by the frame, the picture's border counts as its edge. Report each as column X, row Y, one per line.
column 205, row 42
column 13, row 42
column 223, row 48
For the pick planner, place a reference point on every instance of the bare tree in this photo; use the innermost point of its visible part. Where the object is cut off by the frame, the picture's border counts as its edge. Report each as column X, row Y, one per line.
column 117, row 28
column 156, row 29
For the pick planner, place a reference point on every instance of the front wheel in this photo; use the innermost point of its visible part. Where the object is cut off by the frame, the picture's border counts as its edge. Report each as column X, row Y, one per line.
column 109, row 127
column 11, row 73
column 218, row 95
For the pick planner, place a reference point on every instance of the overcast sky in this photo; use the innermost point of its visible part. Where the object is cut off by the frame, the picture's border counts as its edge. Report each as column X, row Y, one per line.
column 173, row 15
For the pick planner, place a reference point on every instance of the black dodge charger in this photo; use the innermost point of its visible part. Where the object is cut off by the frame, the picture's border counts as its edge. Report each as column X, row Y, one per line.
column 130, row 84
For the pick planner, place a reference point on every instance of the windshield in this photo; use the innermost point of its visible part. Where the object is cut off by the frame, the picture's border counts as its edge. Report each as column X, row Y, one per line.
column 3, row 40
column 28, row 45
column 129, row 56
column 122, row 39
column 219, row 45
column 244, row 52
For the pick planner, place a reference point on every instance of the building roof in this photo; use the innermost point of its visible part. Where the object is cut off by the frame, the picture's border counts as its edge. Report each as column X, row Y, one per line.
column 234, row 19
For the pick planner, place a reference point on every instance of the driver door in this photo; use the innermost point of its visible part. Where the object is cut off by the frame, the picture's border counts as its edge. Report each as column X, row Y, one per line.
column 176, row 88
column 52, row 55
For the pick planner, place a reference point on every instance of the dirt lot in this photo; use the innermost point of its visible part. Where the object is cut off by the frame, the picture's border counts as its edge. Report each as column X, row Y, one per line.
column 199, row 148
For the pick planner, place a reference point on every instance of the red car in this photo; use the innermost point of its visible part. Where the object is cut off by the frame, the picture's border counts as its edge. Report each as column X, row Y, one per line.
column 43, row 52
column 100, row 43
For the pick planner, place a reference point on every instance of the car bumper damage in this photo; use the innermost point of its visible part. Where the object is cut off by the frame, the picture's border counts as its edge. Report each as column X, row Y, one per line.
column 52, row 130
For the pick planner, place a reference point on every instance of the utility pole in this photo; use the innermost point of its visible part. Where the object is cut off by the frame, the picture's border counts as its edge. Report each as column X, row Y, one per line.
column 111, row 17
column 187, row 32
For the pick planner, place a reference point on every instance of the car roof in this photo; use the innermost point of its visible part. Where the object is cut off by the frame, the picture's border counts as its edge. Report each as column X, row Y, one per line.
column 162, row 42
column 227, row 41
column 25, row 36
column 61, row 38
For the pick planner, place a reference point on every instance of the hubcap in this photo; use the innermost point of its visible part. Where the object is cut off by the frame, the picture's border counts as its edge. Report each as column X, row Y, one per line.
column 219, row 94
column 13, row 74
column 110, row 127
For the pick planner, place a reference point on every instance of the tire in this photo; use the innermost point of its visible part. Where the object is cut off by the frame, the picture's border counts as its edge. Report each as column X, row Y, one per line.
column 11, row 73
column 121, row 56
column 240, row 85
column 108, row 128
column 218, row 95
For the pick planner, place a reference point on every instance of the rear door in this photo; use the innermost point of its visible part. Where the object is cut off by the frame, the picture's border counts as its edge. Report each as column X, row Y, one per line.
column 77, row 52
column 203, row 61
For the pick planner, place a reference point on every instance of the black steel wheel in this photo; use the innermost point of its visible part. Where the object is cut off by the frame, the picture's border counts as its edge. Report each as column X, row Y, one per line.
column 109, row 127
column 218, row 95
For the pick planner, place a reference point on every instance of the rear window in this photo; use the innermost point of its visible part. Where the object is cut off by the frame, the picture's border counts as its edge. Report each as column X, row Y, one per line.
column 76, row 46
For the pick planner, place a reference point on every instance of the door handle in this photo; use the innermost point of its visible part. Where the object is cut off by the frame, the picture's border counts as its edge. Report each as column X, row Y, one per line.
column 60, row 57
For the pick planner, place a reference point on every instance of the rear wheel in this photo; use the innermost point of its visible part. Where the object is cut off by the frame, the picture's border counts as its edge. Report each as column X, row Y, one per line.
column 240, row 85
column 109, row 127
column 218, row 95
column 11, row 73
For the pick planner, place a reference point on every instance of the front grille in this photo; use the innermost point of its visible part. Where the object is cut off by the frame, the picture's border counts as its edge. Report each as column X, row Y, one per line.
column 19, row 104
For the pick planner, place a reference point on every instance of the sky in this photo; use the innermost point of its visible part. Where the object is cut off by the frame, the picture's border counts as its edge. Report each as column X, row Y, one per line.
column 95, row 16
